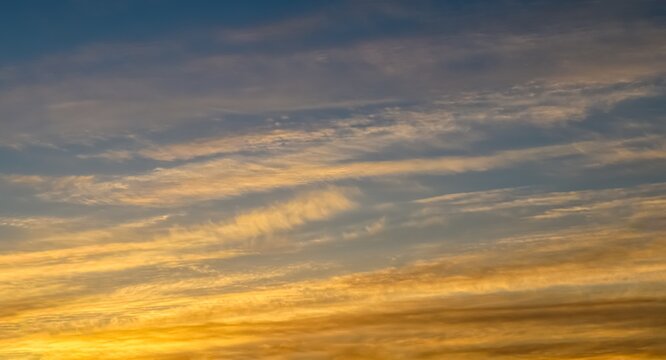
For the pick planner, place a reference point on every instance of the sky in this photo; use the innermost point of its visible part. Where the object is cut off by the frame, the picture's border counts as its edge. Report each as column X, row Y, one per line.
column 332, row 179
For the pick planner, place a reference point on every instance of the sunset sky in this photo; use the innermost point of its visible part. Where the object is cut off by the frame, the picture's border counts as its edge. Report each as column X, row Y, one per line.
column 332, row 179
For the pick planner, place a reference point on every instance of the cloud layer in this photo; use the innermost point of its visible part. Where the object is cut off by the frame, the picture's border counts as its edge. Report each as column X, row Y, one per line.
column 422, row 180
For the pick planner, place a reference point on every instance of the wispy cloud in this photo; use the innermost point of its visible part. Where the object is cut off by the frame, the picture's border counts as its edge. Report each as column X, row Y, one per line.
column 226, row 177
column 446, row 288
column 431, row 180
column 146, row 97
column 125, row 247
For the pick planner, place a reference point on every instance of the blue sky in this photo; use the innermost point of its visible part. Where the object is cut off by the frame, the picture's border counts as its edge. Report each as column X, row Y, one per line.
column 436, row 179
